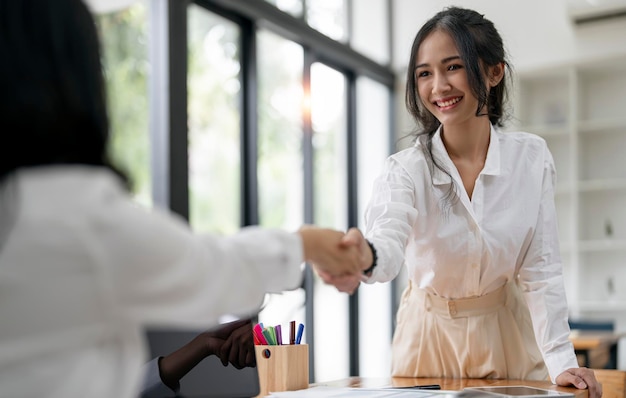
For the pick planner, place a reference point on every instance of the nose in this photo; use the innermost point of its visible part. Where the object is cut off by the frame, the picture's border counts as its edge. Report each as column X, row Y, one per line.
column 441, row 85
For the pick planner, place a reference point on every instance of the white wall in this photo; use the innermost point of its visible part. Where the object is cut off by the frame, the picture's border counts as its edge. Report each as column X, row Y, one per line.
column 537, row 33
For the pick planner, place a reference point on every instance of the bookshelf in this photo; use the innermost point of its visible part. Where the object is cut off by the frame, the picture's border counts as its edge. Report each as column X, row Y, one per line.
column 580, row 110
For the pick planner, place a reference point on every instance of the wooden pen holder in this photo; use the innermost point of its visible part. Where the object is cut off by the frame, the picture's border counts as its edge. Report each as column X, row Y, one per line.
column 282, row 367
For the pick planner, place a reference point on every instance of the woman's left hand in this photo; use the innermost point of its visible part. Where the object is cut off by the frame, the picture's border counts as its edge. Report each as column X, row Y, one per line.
column 581, row 378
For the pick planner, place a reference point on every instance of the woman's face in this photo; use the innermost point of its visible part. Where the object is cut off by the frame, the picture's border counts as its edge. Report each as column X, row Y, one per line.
column 442, row 83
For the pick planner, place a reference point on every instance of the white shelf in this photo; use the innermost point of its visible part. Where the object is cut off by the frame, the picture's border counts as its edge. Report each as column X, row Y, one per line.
column 547, row 130
column 562, row 189
column 609, row 184
column 602, row 245
column 602, row 125
column 579, row 111
column 602, row 306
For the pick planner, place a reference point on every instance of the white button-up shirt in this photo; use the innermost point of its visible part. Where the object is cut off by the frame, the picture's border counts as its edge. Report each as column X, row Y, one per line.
column 83, row 270
column 459, row 247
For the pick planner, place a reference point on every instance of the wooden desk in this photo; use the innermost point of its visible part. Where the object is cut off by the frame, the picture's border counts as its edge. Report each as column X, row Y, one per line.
column 446, row 384
column 596, row 349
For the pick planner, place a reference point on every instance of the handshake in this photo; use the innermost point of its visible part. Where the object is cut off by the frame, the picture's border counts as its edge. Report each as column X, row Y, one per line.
column 338, row 258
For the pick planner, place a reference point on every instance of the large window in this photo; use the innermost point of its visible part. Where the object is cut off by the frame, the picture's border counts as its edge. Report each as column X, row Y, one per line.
column 125, row 61
column 280, row 106
column 213, row 87
column 280, row 171
column 279, row 129
column 329, row 126
column 375, row 300
column 314, row 159
column 330, row 17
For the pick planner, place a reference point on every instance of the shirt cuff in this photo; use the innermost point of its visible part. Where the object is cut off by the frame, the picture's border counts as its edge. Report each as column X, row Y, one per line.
column 558, row 362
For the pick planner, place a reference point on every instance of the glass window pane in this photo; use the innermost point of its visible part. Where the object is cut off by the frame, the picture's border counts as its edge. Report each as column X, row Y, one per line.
column 293, row 7
column 370, row 29
column 329, row 17
column 373, row 123
column 328, row 115
column 214, row 122
column 280, row 172
column 125, row 61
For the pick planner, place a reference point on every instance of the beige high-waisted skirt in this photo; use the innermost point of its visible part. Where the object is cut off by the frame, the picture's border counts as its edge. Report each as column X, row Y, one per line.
column 483, row 337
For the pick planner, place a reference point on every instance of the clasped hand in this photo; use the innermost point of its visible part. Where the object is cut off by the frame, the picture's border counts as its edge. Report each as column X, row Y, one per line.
column 338, row 258
column 232, row 343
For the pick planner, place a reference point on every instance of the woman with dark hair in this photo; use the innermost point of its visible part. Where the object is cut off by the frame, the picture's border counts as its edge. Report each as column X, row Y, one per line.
column 82, row 268
column 470, row 211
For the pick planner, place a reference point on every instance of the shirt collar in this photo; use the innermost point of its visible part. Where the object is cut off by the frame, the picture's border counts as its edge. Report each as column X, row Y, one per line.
column 492, row 163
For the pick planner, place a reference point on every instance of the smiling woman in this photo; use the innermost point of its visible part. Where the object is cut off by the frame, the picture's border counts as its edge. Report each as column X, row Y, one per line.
column 485, row 297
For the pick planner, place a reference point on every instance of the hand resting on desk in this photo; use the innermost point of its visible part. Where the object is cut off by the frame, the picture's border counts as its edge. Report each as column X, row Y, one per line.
column 581, row 378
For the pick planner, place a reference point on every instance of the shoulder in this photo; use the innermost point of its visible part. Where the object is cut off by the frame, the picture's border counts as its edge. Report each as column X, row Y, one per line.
column 408, row 158
column 526, row 155
column 67, row 186
column 520, row 145
column 521, row 139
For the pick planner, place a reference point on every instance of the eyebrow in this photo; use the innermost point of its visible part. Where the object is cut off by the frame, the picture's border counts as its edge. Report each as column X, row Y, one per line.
column 443, row 61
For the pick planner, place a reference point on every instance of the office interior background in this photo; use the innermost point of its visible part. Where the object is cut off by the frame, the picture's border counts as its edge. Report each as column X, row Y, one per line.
column 281, row 112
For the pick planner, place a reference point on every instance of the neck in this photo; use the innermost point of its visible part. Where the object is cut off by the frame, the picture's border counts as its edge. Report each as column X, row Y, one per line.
column 468, row 141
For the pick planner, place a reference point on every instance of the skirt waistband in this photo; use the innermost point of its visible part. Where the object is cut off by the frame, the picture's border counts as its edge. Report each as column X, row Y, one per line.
column 457, row 308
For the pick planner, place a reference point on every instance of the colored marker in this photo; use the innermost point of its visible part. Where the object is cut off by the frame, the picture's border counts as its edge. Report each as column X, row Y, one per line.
column 268, row 337
column 292, row 332
column 299, row 336
column 279, row 335
column 259, row 334
column 273, row 334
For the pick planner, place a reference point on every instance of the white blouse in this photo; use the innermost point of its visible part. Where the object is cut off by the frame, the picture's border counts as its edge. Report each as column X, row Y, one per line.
column 83, row 270
column 466, row 247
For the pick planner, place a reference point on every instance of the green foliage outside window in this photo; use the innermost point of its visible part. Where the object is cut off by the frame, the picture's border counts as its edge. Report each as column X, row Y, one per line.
column 125, row 63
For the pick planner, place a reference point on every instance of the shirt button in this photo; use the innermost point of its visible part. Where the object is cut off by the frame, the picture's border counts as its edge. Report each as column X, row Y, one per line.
column 474, row 266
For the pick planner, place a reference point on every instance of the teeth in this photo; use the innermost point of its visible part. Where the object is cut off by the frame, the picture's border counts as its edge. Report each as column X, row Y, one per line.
column 449, row 102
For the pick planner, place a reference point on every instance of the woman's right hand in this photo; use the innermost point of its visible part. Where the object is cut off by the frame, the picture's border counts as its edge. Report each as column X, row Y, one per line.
column 329, row 253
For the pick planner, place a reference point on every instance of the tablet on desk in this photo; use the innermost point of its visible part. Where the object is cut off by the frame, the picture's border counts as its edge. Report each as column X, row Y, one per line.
column 514, row 391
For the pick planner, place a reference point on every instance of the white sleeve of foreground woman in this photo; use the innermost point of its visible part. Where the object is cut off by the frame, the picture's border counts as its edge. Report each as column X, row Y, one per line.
column 162, row 273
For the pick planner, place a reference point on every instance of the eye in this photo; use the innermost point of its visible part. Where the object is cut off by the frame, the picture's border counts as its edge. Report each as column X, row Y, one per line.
column 455, row 66
column 423, row 73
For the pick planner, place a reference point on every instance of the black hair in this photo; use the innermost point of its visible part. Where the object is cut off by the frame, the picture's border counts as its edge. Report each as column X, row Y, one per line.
column 480, row 46
column 52, row 93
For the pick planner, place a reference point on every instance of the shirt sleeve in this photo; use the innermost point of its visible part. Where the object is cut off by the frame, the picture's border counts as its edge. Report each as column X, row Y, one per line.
column 162, row 273
column 389, row 219
column 541, row 277
column 152, row 385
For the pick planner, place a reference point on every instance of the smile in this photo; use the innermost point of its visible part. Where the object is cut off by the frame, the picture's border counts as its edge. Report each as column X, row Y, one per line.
column 443, row 104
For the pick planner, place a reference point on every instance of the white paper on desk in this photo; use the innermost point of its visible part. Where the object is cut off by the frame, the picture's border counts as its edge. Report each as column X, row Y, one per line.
column 344, row 392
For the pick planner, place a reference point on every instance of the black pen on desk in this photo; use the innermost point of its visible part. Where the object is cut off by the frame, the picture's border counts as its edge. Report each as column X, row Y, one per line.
column 423, row 387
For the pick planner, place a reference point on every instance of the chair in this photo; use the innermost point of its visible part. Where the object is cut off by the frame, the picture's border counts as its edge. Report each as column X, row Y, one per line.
column 591, row 358
column 584, row 324
column 613, row 382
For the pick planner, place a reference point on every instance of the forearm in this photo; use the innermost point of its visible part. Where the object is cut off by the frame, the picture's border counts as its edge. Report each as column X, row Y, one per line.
column 176, row 365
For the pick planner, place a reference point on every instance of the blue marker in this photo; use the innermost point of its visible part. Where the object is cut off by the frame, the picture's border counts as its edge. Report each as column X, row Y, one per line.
column 299, row 335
